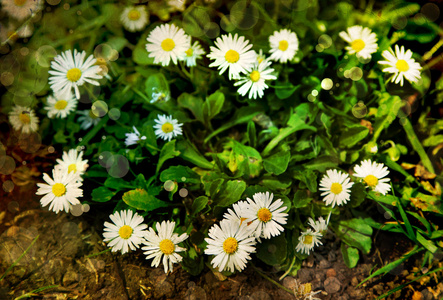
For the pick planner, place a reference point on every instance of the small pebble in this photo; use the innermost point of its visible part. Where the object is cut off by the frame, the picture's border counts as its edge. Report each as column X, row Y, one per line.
column 331, row 273
column 324, row 264
column 332, row 285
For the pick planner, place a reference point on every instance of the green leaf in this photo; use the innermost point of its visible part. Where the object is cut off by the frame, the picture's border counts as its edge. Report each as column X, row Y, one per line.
column 272, row 251
column 322, row 163
column 140, row 199
column 116, row 183
column 213, row 105
column 194, row 104
column 285, row 90
column 277, row 163
column 252, row 135
column 180, row 174
column 386, row 113
column 199, row 204
column 230, row 192
column 242, row 158
column 350, row 255
column 117, row 43
column 60, row 138
column 168, row 152
column 352, row 135
column 102, row 194
column 358, row 194
column 141, row 56
column 355, row 233
column 156, row 83
column 190, row 153
column 433, row 141
column 301, row 199
column 426, row 243
column 192, row 262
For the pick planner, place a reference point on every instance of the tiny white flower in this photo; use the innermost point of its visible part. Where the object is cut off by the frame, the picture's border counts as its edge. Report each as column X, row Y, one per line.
column 24, row 119
column 231, row 245
column 61, row 192
column 336, row 187
column 160, row 96
column 261, row 56
column 87, row 119
column 308, row 240
column 126, row 232
column 165, row 245
column 176, row 5
column 60, row 106
column 321, row 225
column 284, row 45
column 232, row 53
column 72, row 161
column 372, row 174
column 401, row 64
column 265, row 216
column 167, row 42
column 254, row 81
column 69, row 71
column 21, row 9
column 363, row 42
column 134, row 18
column 192, row 54
column 133, row 138
column 167, row 128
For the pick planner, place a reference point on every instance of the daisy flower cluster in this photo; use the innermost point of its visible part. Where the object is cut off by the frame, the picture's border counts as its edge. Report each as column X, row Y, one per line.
column 127, row 232
column 233, row 240
column 62, row 191
column 363, row 43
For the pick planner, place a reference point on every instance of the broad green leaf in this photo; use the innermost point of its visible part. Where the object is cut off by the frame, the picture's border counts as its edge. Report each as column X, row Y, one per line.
column 273, row 251
column 102, row 194
column 386, row 113
column 199, row 204
column 358, row 195
column 277, row 163
column 230, row 192
column 180, row 174
column 308, row 177
column 141, row 56
column 301, row 199
column 273, row 183
column 194, row 104
column 192, row 262
column 352, row 135
column 213, row 105
column 168, row 152
column 141, row 199
column 252, row 135
column 156, row 83
column 285, row 90
column 116, row 183
column 190, row 153
column 322, row 163
column 433, row 140
column 243, row 158
column 355, row 233
column 350, row 255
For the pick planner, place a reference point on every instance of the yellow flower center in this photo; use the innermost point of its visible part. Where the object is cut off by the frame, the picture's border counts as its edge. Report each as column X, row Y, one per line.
column 168, row 44
column 134, row 15
column 230, row 245
column 74, row 74
column 72, row 168
column 336, row 188
column 357, row 45
column 167, row 246
column 307, row 288
column 25, row 118
column 19, row 2
column 61, row 104
column 255, row 75
column 58, row 189
column 371, row 180
column 402, row 65
column 167, row 127
column 264, row 215
column 307, row 240
column 283, row 45
column 232, row 56
column 125, row 232
column 189, row 52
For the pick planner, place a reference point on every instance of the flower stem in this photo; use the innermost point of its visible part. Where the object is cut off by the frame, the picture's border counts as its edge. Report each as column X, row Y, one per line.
column 272, row 280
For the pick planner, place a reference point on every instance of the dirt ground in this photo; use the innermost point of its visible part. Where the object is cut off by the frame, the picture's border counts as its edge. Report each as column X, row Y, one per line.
column 68, row 261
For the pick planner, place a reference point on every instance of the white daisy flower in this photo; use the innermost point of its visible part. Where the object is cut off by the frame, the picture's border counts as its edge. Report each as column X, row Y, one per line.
column 265, row 216
column 24, row 119
column 308, row 240
column 192, row 54
column 261, row 56
column 134, row 18
column 21, row 9
column 87, row 119
column 60, row 106
column 372, row 174
column 72, row 161
column 401, row 64
column 165, row 245
column 167, row 42
column 230, row 244
column 167, row 128
column 233, row 53
column 363, row 42
column 321, row 225
column 254, row 81
column 126, row 233
column 62, row 192
column 335, row 186
column 133, row 138
column 71, row 71
column 236, row 214
column 284, row 45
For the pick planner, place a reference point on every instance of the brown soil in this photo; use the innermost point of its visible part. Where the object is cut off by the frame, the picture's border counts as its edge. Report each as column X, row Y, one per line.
column 64, row 258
